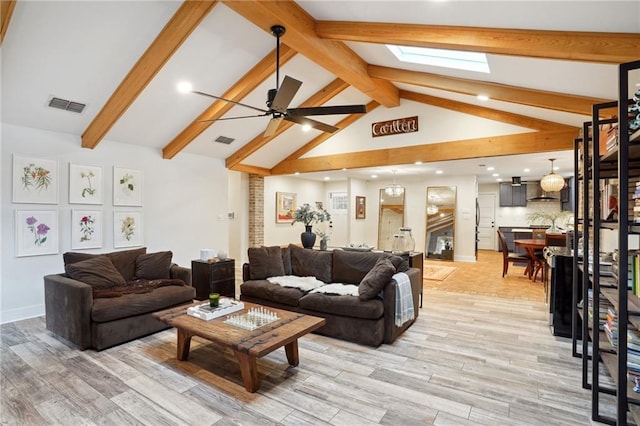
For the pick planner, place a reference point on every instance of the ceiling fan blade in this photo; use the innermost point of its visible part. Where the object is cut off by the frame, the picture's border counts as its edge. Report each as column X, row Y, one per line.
column 313, row 123
column 273, row 125
column 328, row 110
column 229, row 100
column 286, row 92
column 233, row 118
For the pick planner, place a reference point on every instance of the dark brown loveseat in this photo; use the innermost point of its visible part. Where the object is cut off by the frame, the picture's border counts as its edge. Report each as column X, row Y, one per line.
column 367, row 319
column 73, row 312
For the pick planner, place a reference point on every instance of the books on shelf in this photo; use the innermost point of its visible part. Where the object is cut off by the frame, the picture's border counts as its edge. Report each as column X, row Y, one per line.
column 226, row 306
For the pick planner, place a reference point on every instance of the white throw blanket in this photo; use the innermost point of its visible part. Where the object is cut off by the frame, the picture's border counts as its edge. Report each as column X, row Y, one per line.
column 337, row 288
column 302, row 283
column 404, row 299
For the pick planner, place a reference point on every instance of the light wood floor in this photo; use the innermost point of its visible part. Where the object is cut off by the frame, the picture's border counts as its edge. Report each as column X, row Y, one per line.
column 468, row 360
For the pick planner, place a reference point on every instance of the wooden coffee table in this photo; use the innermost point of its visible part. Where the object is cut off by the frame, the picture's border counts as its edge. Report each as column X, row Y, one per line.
column 247, row 345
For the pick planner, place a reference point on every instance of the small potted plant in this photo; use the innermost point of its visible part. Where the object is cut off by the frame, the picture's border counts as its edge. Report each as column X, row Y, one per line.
column 324, row 237
column 309, row 217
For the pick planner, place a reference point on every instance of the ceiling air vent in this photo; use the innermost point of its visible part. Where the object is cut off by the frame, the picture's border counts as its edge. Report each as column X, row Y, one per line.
column 66, row 105
column 225, row 140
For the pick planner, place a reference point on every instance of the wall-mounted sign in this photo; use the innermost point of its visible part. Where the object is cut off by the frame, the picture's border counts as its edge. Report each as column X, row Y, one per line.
column 394, row 127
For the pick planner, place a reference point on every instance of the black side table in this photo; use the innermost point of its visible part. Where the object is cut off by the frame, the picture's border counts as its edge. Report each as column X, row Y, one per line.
column 214, row 277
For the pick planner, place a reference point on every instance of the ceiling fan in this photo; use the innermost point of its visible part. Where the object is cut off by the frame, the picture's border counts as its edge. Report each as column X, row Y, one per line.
column 278, row 101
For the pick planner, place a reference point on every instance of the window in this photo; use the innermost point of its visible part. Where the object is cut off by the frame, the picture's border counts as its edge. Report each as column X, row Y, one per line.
column 339, row 201
column 470, row 61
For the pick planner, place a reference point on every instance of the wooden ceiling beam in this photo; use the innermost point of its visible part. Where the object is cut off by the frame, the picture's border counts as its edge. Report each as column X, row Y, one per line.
column 182, row 23
column 600, row 47
column 318, row 98
column 252, row 79
column 537, row 98
column 334, row 56
column 6, row 11
column 484, row 112
column 521, row 143
column 254, row 170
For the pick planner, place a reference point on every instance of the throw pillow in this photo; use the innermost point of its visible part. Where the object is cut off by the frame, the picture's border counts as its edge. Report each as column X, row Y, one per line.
column 401, row 264
column 265, row 262
column 97, row 271
column 125, row 261
column 154, row 266
column 376, row 278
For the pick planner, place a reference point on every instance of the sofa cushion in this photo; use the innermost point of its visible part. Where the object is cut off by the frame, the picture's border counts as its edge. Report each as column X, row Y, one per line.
column 307, row 262
column 376, row 278
column 154, row 266
column 98, row 271
column 286, row 260
column 347, row 306
column 265, row 262
column 263, row 289
column 124, row 261
column 352, row 266
column 109, row 309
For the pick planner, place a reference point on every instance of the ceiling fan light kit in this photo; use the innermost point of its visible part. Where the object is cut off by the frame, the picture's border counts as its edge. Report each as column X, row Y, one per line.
column 278, row 101
column 552, row 182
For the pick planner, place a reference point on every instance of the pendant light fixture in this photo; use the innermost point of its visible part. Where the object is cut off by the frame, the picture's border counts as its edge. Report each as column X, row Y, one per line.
column 394, row 190
column 552, row 182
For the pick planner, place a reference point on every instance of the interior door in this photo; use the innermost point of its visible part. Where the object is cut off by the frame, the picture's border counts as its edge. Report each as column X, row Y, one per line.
column 487, row 221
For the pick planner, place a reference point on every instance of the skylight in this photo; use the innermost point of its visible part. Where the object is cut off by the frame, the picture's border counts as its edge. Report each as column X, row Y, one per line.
column 470, row 61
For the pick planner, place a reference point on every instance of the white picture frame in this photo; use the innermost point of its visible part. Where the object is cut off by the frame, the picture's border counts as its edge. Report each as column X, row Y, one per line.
column 85, row 184
column 36, row 232
column 86, row 229
column 127, row 229
column 127, row 187
column 35, row 180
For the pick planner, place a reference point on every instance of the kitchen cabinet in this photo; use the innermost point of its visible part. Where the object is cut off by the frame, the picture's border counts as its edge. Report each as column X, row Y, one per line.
column 513, row 196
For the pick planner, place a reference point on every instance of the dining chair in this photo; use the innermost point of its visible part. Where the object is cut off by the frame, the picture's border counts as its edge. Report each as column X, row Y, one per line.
column 510, row 257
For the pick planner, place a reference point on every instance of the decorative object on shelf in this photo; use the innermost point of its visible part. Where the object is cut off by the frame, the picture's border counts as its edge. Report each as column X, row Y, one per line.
column 552, row 182
column 394, row 190
column 285, row 207
column 540, row 217
column 357, row 247
column 127, row 229
column 86, row 229
column 35, row 180
column 222, row 255
column 127, row 187
column 206, row 254
column 309, row 217
column 403, row 242
column 85, row 184
column 361, row 207
column 36, row 232
column 324, row 237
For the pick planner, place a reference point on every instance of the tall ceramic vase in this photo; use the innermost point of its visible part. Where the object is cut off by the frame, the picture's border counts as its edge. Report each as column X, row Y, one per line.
column 308, row 238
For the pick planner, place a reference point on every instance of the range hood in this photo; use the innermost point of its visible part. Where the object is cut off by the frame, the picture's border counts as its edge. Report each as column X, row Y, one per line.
column 539, row 194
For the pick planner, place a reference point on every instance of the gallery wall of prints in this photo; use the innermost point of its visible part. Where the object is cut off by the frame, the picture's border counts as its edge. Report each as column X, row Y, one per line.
column 36, row 181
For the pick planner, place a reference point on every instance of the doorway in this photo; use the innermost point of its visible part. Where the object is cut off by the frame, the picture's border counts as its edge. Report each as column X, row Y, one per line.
column 487, row 221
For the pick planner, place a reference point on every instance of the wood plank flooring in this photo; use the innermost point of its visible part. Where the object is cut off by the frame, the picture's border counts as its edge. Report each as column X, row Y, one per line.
column 468, row 360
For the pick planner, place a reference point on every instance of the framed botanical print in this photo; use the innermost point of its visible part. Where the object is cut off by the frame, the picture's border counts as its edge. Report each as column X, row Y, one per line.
column 85, row 184
column 127, row 187
column 35, row 180
column 127, row 229
column 361, row 207
column 86, row 229
column 285, row 207
column 36, row 232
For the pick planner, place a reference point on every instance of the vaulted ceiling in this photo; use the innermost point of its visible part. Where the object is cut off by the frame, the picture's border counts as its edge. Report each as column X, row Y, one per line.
column 549, row 60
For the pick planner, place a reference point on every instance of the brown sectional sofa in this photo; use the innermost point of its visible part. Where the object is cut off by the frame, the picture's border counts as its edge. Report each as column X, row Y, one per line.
column 74, row 312
column 368, row 319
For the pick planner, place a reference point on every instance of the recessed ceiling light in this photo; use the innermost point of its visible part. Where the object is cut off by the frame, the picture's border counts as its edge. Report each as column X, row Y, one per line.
column 438, row 172
column 184, row 87
column 456, row 59
column 483, row 98
column 490, row 168
column 526, row 170
column 495, row 174
column 344, row 168
column 418, row 162
column 327, row 178
column 499, row 180
column 306, row 127
column 296, row 173
column 556, row 168
column 374, row 176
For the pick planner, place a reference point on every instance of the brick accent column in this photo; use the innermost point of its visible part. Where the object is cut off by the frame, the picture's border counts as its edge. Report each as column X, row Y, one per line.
column 256, row 210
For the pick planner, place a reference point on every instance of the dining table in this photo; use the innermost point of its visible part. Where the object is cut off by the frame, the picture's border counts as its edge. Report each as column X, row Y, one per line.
column 531, row 245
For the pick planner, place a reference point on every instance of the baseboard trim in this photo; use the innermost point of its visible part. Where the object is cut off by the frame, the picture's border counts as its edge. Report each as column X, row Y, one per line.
column 13, row 315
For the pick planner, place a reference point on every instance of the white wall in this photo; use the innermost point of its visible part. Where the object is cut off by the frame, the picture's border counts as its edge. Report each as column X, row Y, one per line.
column 360, row 229
column 183, row 200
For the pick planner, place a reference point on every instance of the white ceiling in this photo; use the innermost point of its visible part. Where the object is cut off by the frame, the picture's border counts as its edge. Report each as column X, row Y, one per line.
column 81, row 50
